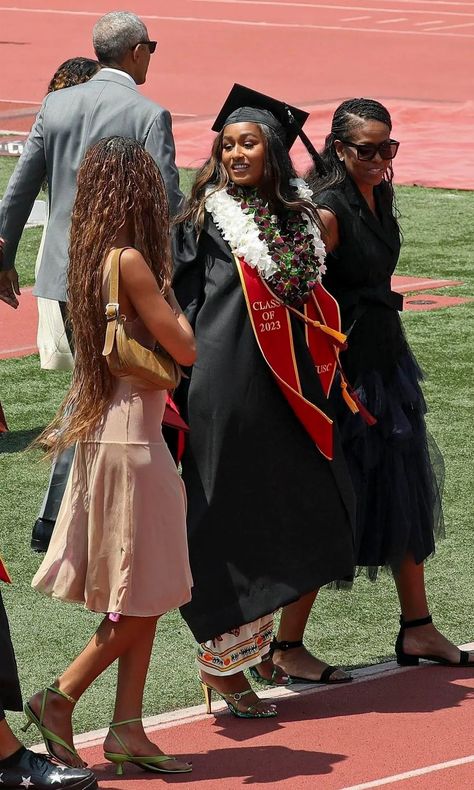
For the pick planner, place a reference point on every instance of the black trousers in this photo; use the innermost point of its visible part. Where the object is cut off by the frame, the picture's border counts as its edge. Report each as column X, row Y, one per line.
column 10, row 694
column 62, row 464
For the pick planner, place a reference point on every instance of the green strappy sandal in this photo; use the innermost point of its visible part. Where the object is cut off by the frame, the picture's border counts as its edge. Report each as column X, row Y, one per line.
column 151, row 763
column 49, row 736
column 230, row 699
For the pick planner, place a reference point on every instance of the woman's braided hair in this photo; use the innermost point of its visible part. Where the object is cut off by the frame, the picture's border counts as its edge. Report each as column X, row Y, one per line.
column 347, row 117
column 74, row 71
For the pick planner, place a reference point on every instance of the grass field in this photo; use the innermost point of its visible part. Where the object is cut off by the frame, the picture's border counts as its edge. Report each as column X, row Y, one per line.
column 350, row 628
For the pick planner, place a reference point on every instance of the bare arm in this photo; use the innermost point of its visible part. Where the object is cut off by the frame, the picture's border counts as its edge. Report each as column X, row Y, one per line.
column 164, row 319
column 331, row 229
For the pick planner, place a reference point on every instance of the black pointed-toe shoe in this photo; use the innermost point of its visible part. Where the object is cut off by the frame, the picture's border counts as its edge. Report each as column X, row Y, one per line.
column 37, row 772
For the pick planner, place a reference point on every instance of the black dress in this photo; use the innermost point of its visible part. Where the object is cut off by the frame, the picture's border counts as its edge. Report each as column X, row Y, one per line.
column 392, row 468
column 269, row 518
column 10, row 694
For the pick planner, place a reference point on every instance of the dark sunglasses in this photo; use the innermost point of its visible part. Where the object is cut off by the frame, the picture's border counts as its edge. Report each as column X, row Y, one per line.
column 150, row 44
column 367, row 151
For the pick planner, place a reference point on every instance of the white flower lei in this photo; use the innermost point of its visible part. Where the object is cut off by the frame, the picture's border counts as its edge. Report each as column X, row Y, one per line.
column 242, row 234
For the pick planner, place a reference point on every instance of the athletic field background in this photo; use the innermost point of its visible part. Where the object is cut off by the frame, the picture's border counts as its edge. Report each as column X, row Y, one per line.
column 347, row 628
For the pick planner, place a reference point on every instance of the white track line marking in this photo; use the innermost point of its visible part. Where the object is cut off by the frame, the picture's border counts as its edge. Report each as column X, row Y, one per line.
column 451, row 27
column 19, row 101
column 332, row 7
column 388, row 780
column 388, row 21
column 247, row 23
column 354, row 18
column 433, row 22
column 436, row 2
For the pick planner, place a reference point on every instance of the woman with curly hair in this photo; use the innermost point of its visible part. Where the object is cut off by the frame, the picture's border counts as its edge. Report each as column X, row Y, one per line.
column 396, row 468
column 270, row 500
column 119, row 545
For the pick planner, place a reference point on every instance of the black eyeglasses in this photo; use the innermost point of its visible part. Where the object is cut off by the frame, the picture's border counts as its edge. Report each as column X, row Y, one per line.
column 367, row 151
column 150, row 44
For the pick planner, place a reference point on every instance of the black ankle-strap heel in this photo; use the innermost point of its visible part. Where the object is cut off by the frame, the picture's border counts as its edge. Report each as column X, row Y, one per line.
column 410, row 660
column 275, row 645
column 326, row 674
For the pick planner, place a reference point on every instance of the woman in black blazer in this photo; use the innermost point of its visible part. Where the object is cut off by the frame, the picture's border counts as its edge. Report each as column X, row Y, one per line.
column 396, row 467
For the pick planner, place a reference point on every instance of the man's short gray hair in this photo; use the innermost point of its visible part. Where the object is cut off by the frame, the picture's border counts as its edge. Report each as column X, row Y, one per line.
column 116, row 33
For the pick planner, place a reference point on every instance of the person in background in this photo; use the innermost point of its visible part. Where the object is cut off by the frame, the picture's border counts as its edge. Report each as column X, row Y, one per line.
column 396, row 467
column 68, row 122
column 119, row 545
column 17, row 764
column 54, row 339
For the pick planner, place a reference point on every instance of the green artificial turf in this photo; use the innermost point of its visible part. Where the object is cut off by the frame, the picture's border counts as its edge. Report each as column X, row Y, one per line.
column 350, row 628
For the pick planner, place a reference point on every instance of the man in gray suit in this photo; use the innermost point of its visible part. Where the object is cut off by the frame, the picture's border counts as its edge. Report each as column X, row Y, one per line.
column 68, row 123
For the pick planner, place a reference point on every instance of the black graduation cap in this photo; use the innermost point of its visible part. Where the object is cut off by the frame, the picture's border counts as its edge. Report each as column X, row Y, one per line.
column 245, row 104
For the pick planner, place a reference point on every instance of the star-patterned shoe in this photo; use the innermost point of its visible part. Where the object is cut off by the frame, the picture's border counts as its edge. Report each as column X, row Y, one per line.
column 37, row 772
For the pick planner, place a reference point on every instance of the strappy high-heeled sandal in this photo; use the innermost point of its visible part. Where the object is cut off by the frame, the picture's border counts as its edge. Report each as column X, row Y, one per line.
column 271, row 681
column 49, row 736
column 325, row 674
column 232, row 700
column 411, row 660
column 152, row 763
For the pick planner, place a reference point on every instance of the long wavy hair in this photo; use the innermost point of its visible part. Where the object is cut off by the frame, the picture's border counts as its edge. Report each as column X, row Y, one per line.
column 118, row 182
column 347, row 117
column 275, row 186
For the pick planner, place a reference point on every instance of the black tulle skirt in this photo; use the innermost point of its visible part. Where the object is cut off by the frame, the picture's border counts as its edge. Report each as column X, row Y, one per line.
column 396, row 468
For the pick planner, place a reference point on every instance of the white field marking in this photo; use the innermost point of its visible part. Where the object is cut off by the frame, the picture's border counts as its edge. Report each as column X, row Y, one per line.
column 388, row 21
column 451, row 27
column 434, row 2
column 19, row 101
column 247, row 23
column 354, row 18
column 329, row 6
column 9, row 351
column 332, row 6
column 196, row 713
column 388, row 780
column 433, row 22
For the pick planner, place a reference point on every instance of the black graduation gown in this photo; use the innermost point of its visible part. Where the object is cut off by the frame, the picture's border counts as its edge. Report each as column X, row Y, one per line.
column 10, row 694
column 396, row 468
column 269, row 518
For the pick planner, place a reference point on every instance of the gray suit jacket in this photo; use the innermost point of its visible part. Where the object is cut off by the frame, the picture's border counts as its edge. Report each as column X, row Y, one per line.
column 68, row 123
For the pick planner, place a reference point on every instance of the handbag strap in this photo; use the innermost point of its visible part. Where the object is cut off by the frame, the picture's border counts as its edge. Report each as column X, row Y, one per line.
column 112, row 308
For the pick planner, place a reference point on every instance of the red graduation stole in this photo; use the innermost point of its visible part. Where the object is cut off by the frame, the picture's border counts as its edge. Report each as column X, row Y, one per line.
column 4, row 575
column 271, row 324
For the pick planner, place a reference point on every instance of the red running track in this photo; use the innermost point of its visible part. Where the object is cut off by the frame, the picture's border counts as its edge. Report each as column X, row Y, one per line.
column 405, row 728
column 414, row 55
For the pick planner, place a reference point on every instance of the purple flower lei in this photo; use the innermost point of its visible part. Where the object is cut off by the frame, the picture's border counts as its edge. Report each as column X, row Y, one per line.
column 289, row 244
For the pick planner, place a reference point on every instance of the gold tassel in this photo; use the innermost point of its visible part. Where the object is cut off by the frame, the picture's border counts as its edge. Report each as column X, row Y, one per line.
column 339, row 336
column 350, row 402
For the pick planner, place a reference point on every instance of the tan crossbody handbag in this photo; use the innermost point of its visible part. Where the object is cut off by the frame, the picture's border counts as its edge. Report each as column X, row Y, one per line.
column 126, row 357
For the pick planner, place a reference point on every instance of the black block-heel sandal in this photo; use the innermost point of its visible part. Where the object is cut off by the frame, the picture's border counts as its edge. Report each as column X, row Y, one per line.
column 410, row 660
column 275, row 676
column 325, row 674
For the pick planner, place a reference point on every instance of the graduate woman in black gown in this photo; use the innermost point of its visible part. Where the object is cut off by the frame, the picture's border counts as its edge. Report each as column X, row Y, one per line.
column 397, row 484
column 270, row 502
